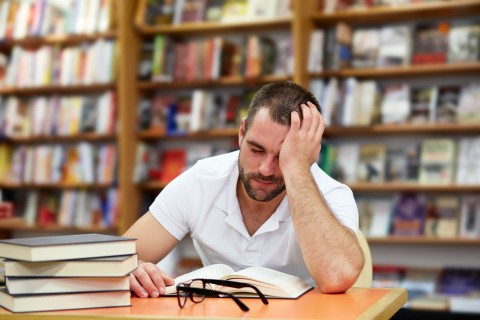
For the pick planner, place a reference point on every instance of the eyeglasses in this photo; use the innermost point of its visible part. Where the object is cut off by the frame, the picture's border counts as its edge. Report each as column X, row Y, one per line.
column 198, row 289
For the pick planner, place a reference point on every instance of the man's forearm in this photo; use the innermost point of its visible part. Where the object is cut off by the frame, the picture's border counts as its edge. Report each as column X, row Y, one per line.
column 330, row 250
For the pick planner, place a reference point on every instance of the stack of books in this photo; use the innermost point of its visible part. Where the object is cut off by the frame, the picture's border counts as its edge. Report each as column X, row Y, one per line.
column 66, row 272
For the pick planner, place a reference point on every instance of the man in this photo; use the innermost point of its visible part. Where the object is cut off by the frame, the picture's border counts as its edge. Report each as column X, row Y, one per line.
column 268, row 204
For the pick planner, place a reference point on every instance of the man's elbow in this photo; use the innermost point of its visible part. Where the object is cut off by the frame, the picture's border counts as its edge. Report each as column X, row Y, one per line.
column 341, row 279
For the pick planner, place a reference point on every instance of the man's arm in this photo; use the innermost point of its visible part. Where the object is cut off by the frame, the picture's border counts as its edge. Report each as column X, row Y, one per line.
column 154, row 242
column 330, row 250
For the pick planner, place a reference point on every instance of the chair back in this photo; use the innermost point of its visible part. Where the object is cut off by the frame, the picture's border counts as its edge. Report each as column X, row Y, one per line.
column 364, row 280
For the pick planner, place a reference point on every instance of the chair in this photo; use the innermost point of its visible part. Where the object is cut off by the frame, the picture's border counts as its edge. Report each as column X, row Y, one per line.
column 364, row 280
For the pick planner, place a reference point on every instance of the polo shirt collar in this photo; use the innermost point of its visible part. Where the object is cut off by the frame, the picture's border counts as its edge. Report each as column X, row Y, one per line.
column 228, row 203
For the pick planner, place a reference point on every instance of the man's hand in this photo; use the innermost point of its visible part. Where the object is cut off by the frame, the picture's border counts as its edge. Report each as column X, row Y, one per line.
column 302, row 143
column 147, row 280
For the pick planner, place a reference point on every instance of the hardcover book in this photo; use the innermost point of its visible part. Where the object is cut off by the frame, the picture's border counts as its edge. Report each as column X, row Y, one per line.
column 48, row 302
column 408, row 216
column 66, row 247
column 96, row 267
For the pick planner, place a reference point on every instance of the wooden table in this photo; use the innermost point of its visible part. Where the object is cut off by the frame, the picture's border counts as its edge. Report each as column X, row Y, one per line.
column 356, row 303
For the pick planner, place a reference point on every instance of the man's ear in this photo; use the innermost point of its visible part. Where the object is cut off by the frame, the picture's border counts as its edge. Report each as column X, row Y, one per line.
column 241, row 131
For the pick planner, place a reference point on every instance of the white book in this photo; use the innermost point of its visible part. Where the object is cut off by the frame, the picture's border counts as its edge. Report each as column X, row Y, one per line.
column 315, row 59
column 198, row 110
column 470, row 217
column 48, row 302
column 4, row 10
column 468, row 165
column 20, row 285
column 262, row 9
column 381, row 212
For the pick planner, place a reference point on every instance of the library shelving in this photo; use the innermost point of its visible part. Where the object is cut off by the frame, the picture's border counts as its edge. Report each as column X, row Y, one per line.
column 34, row 38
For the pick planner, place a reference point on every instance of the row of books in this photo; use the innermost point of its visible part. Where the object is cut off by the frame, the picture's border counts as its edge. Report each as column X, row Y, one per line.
column 66, row 272
column 187, row 11
column 393, row 45
column 330, row 6
column 212, row 58
column 202, row 110
column 66, row 208
column 57, row 115
column 164, row 164
column 38, row 18
column 361, row 103
column 433, row 161
column 446, row 289
column 85, row 64
column 52, row 164
column 411, row 214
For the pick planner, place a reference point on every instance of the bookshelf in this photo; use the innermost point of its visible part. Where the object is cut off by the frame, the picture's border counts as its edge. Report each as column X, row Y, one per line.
column 33, row 40
column 402, row 251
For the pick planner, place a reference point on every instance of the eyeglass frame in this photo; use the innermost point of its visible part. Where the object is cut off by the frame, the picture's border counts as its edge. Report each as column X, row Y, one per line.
column 189, row 290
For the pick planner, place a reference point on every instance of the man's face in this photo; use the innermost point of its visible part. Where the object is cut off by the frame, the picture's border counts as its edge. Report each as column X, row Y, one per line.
column 258, row 160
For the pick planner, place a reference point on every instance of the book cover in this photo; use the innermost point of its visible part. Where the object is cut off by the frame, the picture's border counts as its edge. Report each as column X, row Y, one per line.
column 437, row 161
column 409, row 215
column 365, row 43
column 459, row 281
column 371, row 163
column 396, row 165
column 66, row 301
column 442, row 217
column 394, row 46
column 468, row 166
column 173, row 163
column 158, row 12
column 470, row 217
column 66, row 247
column 423, row 100
column 464, row 43
column 430, row 44
column 395, row 106
column 40, row 285
column 446, row 108
column 468, row 106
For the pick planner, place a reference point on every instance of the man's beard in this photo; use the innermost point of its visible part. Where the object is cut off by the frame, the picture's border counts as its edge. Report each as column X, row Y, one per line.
column 257, row 195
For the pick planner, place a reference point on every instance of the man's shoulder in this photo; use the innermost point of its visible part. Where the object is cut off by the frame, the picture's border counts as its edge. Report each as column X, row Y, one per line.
column 218, row 166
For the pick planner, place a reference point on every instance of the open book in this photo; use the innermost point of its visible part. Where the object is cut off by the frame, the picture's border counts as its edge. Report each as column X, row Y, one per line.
column 271, row 283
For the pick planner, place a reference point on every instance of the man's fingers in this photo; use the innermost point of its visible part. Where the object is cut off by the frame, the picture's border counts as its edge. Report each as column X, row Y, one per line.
column 136, row 287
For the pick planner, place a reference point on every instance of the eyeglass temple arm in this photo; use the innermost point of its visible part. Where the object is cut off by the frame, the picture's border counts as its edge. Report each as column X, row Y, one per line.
column 236, row 284
column 214, row 293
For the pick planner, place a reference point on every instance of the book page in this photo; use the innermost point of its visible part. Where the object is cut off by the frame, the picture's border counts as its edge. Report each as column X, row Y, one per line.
column 214, row 271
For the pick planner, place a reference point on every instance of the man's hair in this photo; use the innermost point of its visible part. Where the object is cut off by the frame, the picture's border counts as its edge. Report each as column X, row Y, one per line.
column 280, row 98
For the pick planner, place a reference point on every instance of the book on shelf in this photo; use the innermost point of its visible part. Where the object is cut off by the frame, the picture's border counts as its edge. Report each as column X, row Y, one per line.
column 395, row 165
column 371, row 163
column 434, row 302
column 271, row 283
column 442, row 217
column 430, row 43
column 468, row 167
column 365, row 47
column 459, row 281
column 155, row 12
column 387, row 276
column 468, row 107
column 470, row 217
column 213, row 10
column 409, row 215
column 447, row 102
column 423, row 104
column 66, row 247
column 394, row 46
column 380, row 212
column 420, row 282
column 465, row 304
column 395, row 106
column 464, row 43
column 437, row 161
column 235, row 11
column 173, row 163
column 113, row 266
column 65, row 301
column 40, row 285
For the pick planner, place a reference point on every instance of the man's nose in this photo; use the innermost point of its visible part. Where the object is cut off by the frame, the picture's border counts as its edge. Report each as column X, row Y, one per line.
column 268, row 166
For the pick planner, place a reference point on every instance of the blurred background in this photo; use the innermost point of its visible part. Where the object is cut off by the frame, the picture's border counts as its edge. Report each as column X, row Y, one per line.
column 104, row 102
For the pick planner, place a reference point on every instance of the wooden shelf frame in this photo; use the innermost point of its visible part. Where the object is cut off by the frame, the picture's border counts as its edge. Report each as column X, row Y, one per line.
column 424, row 70
column 18, row 224
column 223, row 82
column 400, row 13
column 412, row 187
column 62, row 40
column 215, row 28
column 55, row 186
column 90, row 137
column 58, row 89
column 393, row 240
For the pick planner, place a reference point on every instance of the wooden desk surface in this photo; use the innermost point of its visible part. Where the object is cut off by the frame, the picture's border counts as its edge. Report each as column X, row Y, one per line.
column 356, row 303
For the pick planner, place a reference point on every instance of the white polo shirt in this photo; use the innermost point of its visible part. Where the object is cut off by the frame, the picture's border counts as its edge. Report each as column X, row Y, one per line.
column 202, row 201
